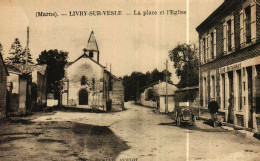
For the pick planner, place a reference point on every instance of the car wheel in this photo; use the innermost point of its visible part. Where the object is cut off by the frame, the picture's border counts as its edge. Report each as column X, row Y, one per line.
column 194, row 120
column 178, row 121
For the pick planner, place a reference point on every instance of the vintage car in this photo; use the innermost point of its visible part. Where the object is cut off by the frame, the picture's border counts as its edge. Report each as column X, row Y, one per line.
column 184, row 115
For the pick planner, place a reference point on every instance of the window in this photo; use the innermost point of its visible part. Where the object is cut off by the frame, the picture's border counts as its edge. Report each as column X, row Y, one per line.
column 204, row 50
column 248, row 23
column 91, row 54
column 83, row 80
column 208, row 46
column 212, row 87
column 212, row 45
column 204, row 91
column 239, row 90
column 223, row 92
column 93, row 83
column 228, row 34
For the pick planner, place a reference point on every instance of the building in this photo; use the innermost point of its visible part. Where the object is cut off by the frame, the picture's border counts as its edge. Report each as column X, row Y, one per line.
column 39, row 86
column 154, row 95
column 230, row 61
column 87, row 83
column 3, row 90
column 26, row 88
column 189, row 95
column 18, row 99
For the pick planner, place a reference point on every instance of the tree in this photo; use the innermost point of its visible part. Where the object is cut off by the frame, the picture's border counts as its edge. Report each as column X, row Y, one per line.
column 135, row 83
column 185, row 61
column 55, row 61
column 29, row 60
column 17, row 55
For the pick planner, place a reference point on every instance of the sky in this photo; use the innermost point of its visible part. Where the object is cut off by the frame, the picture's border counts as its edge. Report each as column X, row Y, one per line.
column 128, row 42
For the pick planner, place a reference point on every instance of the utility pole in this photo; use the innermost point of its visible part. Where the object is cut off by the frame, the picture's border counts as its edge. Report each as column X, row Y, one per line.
column 166, row 80
column 27, row 46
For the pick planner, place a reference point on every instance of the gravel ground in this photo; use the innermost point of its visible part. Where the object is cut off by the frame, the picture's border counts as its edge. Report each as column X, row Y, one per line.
column 136, row 133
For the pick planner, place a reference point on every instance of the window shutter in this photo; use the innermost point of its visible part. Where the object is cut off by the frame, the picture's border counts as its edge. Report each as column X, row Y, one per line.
column 206, row 41
column 253, row 21
column 232, row 33
column 209, row 46
column 224, row 37
column 242, row 28
column 215, row 41
column 201, row 51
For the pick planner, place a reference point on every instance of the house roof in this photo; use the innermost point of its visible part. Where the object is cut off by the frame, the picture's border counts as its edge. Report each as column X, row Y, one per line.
column 1, row 57
column 41, row 68
column 152, row 84
column 216, row 14
column 92, row 43
column 26, row 69
column 83, row 56
column 188, row 88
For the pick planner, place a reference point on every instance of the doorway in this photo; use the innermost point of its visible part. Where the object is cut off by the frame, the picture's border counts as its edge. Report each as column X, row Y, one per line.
column 83, row 97
column 231, row 98
column 250, row 98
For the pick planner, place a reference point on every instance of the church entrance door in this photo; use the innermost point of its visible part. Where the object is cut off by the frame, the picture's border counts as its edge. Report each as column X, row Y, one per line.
column 83, row 97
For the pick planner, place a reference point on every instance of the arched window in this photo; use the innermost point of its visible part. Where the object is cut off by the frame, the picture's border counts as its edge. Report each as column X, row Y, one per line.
column 83, row 80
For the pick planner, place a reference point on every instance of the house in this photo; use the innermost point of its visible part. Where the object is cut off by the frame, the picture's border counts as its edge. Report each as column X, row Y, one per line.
column 39, row 86
column 87, row 83
column 230, row 62
column 3, row 89
column 26, row 86
column 18, row 93
column 154, row 95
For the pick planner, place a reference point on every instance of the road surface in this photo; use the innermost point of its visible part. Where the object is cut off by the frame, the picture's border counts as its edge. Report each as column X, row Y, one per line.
column 138, row 133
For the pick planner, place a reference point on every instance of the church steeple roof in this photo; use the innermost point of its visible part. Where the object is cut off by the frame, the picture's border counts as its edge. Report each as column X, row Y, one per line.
column 92, row 43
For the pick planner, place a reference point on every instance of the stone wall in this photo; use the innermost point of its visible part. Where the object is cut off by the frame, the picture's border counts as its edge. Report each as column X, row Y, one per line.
column 117, row 95
column 3, row 79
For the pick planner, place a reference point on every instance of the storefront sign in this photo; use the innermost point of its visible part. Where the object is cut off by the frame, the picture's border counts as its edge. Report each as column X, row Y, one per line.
column 230, row 68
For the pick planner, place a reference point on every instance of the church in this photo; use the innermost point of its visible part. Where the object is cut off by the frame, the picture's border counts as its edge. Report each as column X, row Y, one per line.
column 88, row 84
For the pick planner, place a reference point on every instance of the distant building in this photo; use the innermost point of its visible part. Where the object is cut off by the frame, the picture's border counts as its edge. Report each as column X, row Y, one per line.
column 159, row 96
column 230, row 61
column 3, row 93
column 87, row 83
column 189, row 95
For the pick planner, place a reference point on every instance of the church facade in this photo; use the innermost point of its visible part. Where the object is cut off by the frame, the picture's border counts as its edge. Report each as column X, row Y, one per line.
column 87, row 83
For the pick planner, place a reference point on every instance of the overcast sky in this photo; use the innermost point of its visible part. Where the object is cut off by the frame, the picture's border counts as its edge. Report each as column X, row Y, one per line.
column 129, row 42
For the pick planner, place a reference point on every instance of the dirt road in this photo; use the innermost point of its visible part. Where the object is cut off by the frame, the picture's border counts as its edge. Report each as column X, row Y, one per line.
column 134, row 134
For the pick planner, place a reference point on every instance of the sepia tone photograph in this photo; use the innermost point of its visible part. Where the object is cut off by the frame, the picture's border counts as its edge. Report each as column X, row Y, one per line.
column 128, row 80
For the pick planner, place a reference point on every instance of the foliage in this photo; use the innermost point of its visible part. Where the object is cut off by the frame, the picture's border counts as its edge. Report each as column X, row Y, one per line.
column 185, row 61
column 55, row 61
column 152, row 94
column 17, row 55
column 135, row 83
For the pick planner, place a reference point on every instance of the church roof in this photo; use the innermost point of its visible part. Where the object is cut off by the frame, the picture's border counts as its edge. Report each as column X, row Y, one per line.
column 83, row 56
column 92, row 43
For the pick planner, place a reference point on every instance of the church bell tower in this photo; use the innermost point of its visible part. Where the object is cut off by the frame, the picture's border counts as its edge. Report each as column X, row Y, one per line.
column 92, row 48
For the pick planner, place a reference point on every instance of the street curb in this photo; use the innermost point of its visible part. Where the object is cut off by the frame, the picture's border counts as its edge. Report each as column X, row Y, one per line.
column 239, row 129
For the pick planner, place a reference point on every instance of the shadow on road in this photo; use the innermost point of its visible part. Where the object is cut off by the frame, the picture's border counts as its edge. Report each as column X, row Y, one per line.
column 195, row 127
column 98, row 139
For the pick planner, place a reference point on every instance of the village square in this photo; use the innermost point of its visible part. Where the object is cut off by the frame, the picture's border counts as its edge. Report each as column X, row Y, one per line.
column 81, row 99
